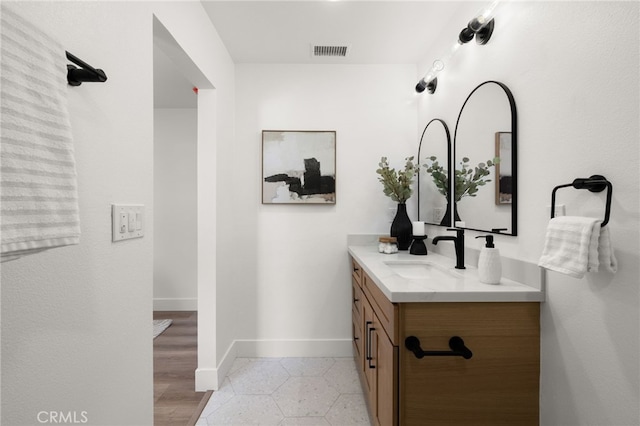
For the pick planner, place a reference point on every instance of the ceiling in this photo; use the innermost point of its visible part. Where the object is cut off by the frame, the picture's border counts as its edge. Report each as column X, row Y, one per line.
column 377, row 32
column 283, row 32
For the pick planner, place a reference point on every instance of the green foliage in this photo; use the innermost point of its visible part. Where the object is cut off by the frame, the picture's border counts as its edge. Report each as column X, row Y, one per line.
column 439, row 175
column 397, row 185
column 467, row 180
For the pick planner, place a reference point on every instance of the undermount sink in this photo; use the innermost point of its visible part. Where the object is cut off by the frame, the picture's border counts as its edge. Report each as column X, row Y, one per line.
column 421, row 270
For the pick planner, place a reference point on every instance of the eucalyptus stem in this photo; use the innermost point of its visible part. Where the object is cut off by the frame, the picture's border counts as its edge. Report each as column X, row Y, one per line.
column 397, row 184
column 467, row 180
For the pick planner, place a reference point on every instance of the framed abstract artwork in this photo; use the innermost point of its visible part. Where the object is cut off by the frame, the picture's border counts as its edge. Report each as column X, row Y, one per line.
column 298, row 167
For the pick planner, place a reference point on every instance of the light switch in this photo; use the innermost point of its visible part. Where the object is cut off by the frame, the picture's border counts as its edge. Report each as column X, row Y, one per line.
column 559, row 211
column 123, row 223
column 127, row 221
column 132, row 221
column 438, row 214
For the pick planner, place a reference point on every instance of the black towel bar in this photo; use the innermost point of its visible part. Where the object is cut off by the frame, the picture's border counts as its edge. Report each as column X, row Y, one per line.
column 594, row 183
column 76, row 76
column 455, row 343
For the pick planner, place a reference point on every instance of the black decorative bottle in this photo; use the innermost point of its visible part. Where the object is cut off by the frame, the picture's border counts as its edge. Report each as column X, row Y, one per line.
column 401, row 227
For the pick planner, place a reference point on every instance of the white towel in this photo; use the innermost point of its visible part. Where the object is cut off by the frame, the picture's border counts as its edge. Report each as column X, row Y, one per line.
column 38, row 187
column 605, row 251
column 576, row 245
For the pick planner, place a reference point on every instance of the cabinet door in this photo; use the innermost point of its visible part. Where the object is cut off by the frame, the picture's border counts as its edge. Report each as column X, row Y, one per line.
column 356, row 296
column 369, row 350
column 357, row 339
column 498, row 386
column 356, row 321
column 386, row 379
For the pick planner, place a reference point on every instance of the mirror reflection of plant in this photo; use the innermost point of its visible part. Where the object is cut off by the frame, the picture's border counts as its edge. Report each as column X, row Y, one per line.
column 397, row 185
column 467, row 180
column 439, row 175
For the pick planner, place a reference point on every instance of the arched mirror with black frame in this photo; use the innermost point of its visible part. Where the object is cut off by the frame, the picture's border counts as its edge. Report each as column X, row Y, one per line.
column 485, row 158
column 434, row 157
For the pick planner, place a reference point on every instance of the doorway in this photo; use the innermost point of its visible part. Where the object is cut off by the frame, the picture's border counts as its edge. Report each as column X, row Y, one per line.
column 177, row 275
column 175, row 249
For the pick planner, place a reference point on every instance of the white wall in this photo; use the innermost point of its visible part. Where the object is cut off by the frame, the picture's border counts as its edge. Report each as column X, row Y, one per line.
column 573, row 68
column 175, row 285
column 77, row 339
column 291, row 274
column 76, row 321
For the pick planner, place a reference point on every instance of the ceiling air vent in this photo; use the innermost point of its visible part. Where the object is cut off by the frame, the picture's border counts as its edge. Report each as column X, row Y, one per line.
column 329, row 51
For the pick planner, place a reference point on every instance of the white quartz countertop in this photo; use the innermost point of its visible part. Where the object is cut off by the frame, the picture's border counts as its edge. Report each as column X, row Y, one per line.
column 403, row 278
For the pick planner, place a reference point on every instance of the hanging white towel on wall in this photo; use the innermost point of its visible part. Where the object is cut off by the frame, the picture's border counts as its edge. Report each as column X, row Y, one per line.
column 577, row 245
column 606, row 257
column 38, row 185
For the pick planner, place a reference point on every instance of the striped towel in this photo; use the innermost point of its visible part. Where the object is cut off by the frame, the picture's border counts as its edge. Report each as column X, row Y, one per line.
column 577, row 245
column 38, row 188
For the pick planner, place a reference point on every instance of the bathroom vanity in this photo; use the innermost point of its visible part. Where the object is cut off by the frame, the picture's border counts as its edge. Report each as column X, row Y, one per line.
column 434, row 346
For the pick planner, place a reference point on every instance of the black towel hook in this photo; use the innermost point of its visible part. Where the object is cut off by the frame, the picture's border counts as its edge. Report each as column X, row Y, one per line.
column 86, row 73
column 594, row 183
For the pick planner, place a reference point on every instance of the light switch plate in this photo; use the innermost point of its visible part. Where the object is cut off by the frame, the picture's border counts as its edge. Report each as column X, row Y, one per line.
column 391, row 213
column 438, row 214
column 559, row 211
column 124, row 217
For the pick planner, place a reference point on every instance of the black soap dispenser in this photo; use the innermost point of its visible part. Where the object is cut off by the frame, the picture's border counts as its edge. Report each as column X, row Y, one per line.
column 489, row 263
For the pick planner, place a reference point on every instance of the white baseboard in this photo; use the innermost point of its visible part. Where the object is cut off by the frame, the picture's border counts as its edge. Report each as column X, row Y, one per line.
column 227, row 361
column 211, row 378
column 175, row 304
column 294, row 348
column 207, row 379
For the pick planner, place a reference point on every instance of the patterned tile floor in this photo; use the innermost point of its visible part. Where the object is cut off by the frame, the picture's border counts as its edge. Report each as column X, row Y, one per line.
column 288, row 391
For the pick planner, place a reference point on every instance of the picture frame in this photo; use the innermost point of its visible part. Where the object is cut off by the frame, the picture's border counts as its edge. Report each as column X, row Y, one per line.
column 298, row 167
column 504, row 174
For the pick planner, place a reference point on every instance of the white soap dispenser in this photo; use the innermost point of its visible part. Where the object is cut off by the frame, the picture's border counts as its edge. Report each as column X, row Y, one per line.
column 489, row 263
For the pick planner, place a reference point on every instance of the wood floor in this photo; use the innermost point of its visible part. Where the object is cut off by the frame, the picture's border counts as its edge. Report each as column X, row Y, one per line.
column 174, row 363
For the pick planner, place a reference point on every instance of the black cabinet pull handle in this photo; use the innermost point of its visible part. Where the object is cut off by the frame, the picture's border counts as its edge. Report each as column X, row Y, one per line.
column 455, row 343
column 368, row 342
column 370, row 357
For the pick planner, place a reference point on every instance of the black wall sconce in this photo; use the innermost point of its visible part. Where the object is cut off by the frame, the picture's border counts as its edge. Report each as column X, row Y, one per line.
column 430, row 81
column 429, row 85
column 480, row 27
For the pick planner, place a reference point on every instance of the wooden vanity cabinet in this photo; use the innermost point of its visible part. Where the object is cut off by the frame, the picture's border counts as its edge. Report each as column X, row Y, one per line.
column 375, row 352
column 498, row 385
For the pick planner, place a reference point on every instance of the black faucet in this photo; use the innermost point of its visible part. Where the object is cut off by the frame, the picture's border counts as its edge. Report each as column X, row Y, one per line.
column 458, row 241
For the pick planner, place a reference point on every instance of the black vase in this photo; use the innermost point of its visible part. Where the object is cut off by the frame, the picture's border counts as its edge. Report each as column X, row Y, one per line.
column 401, row 227
column 446, row 220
